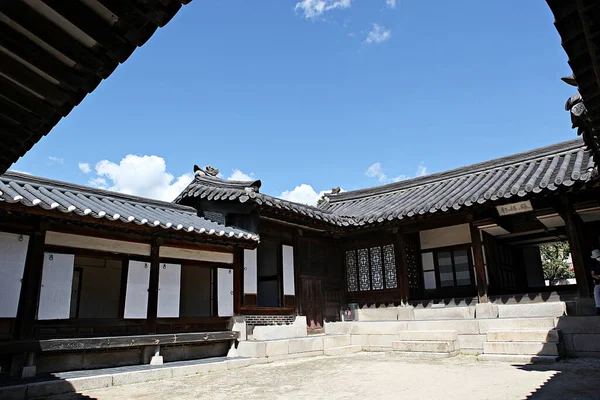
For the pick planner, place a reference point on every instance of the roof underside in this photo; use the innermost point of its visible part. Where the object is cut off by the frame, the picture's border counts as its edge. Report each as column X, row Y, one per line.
column 94, row 204
column 54, row 52
column 542, row 170
column 578, row 24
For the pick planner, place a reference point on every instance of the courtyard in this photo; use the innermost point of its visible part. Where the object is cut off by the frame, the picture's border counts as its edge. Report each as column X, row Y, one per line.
column 376, row 376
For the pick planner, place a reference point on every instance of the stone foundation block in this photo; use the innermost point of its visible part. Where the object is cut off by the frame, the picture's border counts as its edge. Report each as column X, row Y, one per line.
column 382, row 341
column 406, row 313
column 378, row 328
column 277, row 347
column 524, row 348
column 462, row 327
column 253, row 349
column 295, row 355
column 473, row 342
column 586, row 342
column 337, row 328
column 127, row 378
column 306, row 344
column 336, row 341
column 377, row 314
column 425, row 346
column 499, row 324
column 238, row 324
column 587, row 324
column 359, row 340
column 427, row 335
column 274, row 332
column 425, row 355
column 486, row 310
column 524, row 336
column 427, row 314
column 50, row 388
column 519, row 359
column 550, row 309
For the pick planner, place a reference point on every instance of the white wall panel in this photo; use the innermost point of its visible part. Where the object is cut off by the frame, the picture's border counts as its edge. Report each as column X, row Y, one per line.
column 94, row 243
column 136, row 297
column 288, row 270
column 169, row 288
column 57, row 280
column 250, row 271
column 225, row 292
column 446, row 236
column 13, row 253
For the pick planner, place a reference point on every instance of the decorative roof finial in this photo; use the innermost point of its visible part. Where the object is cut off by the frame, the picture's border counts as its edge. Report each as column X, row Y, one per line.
column 336, row 190
column 211, row 171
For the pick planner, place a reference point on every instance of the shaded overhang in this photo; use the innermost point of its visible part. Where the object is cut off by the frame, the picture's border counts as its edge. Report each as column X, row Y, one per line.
column 54, row 52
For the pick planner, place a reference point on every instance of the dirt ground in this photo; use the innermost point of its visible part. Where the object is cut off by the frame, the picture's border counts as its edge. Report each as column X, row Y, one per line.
column 374, row 376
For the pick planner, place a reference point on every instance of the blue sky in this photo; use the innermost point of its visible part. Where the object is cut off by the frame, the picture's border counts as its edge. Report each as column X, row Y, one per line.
column 319, row 93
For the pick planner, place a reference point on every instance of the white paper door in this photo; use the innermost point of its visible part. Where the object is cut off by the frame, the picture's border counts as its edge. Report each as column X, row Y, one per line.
column 288, row 270
column 136, row 296
column 13, row 253
column 250, row 271
column 57, row 280
column 169, row 285
column 225, row 292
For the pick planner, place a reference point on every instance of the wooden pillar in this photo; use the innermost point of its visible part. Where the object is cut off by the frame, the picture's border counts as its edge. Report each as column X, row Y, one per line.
column 401, row 267
column 576, row 237
column 482, row 286
column 153, row 286
column 238, row 275
column 30, row 289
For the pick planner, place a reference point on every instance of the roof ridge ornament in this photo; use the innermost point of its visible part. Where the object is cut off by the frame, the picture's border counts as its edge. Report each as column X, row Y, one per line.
column 336, row 190
column 580, row 118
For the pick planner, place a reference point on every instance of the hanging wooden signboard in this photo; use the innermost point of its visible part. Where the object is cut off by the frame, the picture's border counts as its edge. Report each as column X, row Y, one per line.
column 514, row 208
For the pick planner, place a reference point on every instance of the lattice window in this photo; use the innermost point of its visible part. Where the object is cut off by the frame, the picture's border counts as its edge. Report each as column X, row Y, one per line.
column 389, row 262
column 376, row 268
column 364, row 280
column 412, row 266
column 351, row 272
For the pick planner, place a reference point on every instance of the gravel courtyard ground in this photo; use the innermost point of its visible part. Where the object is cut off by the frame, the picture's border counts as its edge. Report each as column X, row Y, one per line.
column 374, row 376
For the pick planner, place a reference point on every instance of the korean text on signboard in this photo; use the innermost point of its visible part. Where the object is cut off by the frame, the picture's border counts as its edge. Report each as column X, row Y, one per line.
column 514, row 208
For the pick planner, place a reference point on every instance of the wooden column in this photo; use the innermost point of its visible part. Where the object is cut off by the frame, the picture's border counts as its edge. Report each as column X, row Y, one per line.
column 482, row 286
column 30, row 289
column 153, row 286
column 238, row 276
column 574, row 227
column 401, row 267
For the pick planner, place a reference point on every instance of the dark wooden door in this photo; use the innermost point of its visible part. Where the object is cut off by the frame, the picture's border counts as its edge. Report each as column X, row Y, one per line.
column 312, row 303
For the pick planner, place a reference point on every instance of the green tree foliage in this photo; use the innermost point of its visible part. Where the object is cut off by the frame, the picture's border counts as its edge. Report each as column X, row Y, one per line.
column 321, row 200
column 556, row 262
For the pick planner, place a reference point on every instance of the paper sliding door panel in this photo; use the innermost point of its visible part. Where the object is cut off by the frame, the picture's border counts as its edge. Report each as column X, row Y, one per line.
column 136, row 296
column 169, row 287
column 288, row 270
column 225, row 292
column 13, row 253
column 57, row 281
column 250, row 271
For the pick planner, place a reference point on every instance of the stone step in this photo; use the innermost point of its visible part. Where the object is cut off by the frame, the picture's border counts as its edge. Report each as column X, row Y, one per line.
column 426, row 355
column 428, row 335
column 425, row 346
column 428, row 314
column 337, row 351
column 538, row 335
column 518, row 358
column 331, row 341
column 523, row 348
column 548, row 309
column 509, row 324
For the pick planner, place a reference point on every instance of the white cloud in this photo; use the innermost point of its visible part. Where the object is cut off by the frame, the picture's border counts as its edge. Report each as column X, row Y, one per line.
column 20, row 172
column 316, row 8
column 84, row 167
column 391, row 3
column 304, row 194
column 376, row 171
column 56, row 160
column 378, row 34
column 145, row 176
column 238, row 175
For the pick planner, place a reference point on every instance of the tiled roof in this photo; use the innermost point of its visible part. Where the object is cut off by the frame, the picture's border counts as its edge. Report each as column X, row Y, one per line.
column 213, row 188
column 517, row 176
column 93, row 203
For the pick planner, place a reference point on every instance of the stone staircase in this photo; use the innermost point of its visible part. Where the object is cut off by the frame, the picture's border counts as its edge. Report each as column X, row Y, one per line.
column 522, row 346
column 427, row 344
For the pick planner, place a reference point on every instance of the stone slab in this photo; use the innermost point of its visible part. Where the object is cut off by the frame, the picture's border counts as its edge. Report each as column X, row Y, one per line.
column 406, row 313
column 518, row 358
column 277, row 347
column 525, row 348
column 462, row 327
column 500, row 324
column 306, row 344
column 429, row 314
column 583, row 342
column 199, row 368
column 427, row 335
column 585, row 324
column 378, row 328
column 127, row 378
column 336, row 351
column 274, row 332
column 238, row 323
column 295, row 355
column 472, row 342
column 49, row 388
column 382, row 341
column 377, row 314
column 16, row 392
column 336, row 341
column 360, row 340
column 425, row 346
column 543, row 335
column 486, row 310
column 425, row 355
column 337, row 328
column 549, row 309
column 251, row 348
